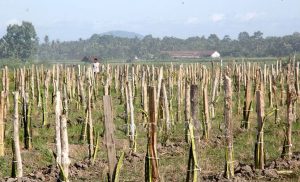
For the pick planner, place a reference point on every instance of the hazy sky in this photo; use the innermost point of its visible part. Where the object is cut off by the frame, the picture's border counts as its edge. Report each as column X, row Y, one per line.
column 74, row 19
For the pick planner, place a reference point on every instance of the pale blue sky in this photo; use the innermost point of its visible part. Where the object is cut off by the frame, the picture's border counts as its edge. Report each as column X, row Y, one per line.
column 74, row 19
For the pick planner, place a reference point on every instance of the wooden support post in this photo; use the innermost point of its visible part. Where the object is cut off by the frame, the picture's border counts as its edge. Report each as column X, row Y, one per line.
column 167, row 124
column 45, row 96
column 109, row 136
column 282, row 89
column 229, row 161
column 127, row 107
column 132, row 128
column 297, row 81
column 194, row 137
column 38, row 85
column 17, row 169
column 116, row 79
column 179, row 81
column 90, row 124
column 6, row 90
column 145, row 98
column 291, row 98
column 270, row 91
column 195, row 110
column 193, row 162
column 27, row 121
column 122, row 89
column 239, row 80
column 2, row 123
column 207, row 124
column 82, row 93
column 65, row 101
column 160, row 77
column 65, row 161
column 247, row 103
column 274, row 92
column 214, row 93
column 32, row 86
column 151, row 171
column 58, row 111
column 259, row 154
column 187, row 111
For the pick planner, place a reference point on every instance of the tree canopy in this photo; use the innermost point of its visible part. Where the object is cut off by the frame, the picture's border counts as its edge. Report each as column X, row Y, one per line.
column 20, row 41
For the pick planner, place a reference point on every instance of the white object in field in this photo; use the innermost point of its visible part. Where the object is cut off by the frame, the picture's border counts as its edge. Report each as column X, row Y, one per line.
column 216, row 54
column 96, row 67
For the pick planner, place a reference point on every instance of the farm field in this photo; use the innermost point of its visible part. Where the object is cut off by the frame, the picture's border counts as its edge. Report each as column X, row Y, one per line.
column 234, row 121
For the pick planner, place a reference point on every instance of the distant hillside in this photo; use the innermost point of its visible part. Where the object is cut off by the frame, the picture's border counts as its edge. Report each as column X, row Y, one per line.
column 123, row 34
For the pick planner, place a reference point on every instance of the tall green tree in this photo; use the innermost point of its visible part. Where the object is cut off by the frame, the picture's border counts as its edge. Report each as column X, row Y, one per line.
column 213, row 42
column 20, row 41
column 46, row 40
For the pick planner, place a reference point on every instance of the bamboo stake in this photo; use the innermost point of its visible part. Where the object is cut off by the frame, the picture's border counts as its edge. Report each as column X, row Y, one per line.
column 214, row 92
column 282, row 90
column 22, row 85
column 45, row 95
column 2, row 123
column 193, row 165
column 38, row 85
column 65, row 101
column 207, row 124
column 58, row 112
column 247, row 103
column 6, row 90
column 73, row 82
column 109, row 136
column 187, row 112
column 127, row 107
column 194, row 137
column 133, row 81
column 291, row 98
column 259, row 154
column 82, row 93
column 179, row 95
column 121, row 78
column 68, row 83
column 270, row 92
column 297, row 80
column 167, row 113
column 160, row 77
column 32, row 83
column 17, row 169
column 145, row 98
column 151, row 171
column 170, row 81
column 132, row 132
column 239, row 90
column 274, row 92
column 90, row 124
column 229, row 161
column 27, row 121
column 195, row 110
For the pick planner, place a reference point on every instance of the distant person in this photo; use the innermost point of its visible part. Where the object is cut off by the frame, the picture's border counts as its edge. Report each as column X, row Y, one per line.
column 96, row 66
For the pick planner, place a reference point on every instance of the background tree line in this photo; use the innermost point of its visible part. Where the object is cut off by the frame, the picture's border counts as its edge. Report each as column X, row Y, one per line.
column 21, row 42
